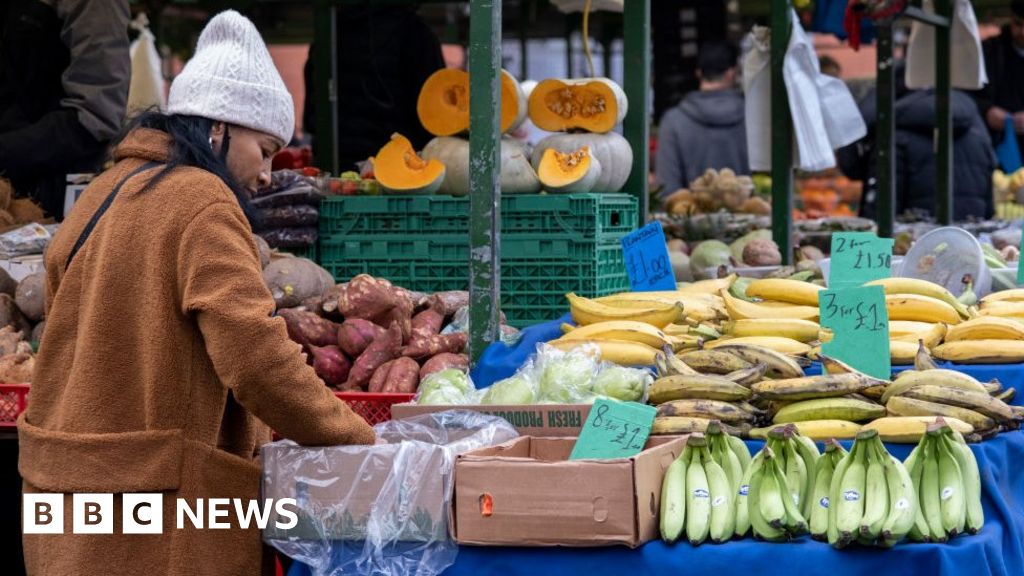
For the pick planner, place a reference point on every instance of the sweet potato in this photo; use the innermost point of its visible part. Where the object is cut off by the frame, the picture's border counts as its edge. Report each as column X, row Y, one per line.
column 292, row 280
column 330, row 364
column 356, row 334
column 426, row 324
column 447, row 303
column 306, row 327
column 367, row 297
column 434, row 345
column 329, row 306
column 401, row 314
column 444, row 361
column 30, row 296
column 380, row 377
column 403, row 378
column 384, row 348
column 10, row 315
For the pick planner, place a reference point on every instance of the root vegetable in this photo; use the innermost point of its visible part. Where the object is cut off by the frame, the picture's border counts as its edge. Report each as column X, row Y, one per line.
column 381, row 350
column 434, row 345
column 426, row 324
column 448, row 303
column 8, row 285
column 444, row 361
column 263, row 248
column 380, row 377
column 9, row 338
column 292, row 280
column 367, row 297
column 30, row 296
column 330, row 364
column 329, row 304
column 10, row 315
column 403, row 378
column 305, row 326
column 355, row 336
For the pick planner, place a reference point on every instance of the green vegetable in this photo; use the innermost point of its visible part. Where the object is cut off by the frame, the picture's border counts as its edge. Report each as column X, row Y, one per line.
column 450, row 386
column 514, row 390
column 621, row 383
column 566, row 379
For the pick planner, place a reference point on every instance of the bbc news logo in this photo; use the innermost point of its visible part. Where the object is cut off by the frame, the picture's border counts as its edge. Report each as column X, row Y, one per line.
column 143, row 513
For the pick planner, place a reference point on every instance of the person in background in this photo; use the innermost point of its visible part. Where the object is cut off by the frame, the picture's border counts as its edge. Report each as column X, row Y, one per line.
column 163, row 367
column 705, row 130
column 385, row 54
column 1003, row 96
column 64, row 76
column 829, row 66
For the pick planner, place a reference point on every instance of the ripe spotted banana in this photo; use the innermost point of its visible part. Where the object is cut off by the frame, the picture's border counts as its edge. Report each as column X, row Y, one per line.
column 673, row 499
column 920, row 308
column 817, row 430
column 741, row 309
column 977, row 401
column 910, row 429
column 676, row 425
column 627, row 353
column 713, row 361
column 989, row 351
column 667, row 364
column 777, row 343
column 904, row 406
column 748, row 376
column 586, row 311
column 800, row 330
column 696, row 387
column 778, row 365
column 897, row 285
column 986, row 328
column 829, row 409
column 710, row 409
column 785, row 290
column 910, row 379
column 809, row 387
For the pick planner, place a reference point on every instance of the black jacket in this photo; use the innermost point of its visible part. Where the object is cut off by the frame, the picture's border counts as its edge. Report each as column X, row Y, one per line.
column 64, row 75
column 973, row 157
column 384, row 56
column 1005, row 88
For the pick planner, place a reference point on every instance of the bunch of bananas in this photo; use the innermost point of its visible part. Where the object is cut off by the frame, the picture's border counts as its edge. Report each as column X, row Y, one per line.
column 871, row 499
column 995, row 336
column 698, row 493
column 823, row 472
column 947, row 484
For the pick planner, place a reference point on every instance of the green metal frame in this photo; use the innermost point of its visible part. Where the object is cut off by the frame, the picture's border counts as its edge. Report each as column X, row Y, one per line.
column 782, row 134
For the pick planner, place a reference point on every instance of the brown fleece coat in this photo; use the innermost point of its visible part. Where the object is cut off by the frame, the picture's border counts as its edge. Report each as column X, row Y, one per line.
column 161, row 364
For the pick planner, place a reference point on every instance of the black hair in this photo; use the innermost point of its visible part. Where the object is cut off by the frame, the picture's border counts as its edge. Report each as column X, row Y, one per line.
column 190, row 146
column 715, row 58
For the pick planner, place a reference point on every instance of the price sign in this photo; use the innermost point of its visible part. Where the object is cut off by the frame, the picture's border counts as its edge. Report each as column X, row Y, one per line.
column 860, row 328
column 614, row 430
column 647, row 261
column 859, row 257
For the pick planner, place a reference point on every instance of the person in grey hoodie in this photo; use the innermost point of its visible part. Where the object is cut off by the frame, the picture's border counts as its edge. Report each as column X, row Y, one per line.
column 705, row 130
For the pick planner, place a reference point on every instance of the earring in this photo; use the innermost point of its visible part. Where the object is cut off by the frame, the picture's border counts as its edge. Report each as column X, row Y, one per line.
column 211, row 142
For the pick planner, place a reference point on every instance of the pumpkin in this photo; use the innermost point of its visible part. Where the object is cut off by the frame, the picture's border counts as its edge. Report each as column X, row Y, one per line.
column 568, row 172
column 612, row 151
column 443, row 103
column 400, row 171
column 590, row 104
column 517, row 175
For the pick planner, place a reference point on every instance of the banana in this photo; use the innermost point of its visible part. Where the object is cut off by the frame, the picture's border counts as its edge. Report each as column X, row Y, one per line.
column 910, row 429
column 668, row 364
column 902, row 353
column 764, row 500
column 673, row 499
column 799, row 330
column 849, row 497
column 977, row 401
column 809, row 387
column 910, row 379
column 679, row 425
column 898, row 328
column 698, row 497
column 874, row 392
column 778, row 365
column 785, row 290
column 1012, row 295
column 723, row 520
column 795, row 524
column 902, row 500
column 931, row 337
column 989, row 351
column 919, row 531
column 829, row 409
column 748, row 376
column 972, row 482
column 740, row 449
column 795, row 474
column 742, row 524
column 697, row 387
column 714, row 361
column 920, row 308
column 930, row 492
column 952, row 503
column 713, row 286
column 710, row 409
column 1007, row 395
column 986, row 328
column 923, row 359
column 586, row 311
column 722, row 452
column 696, row 308
column 924, row 288
column 819, row 502
column 773, row 494
column 904, row 406
column 777, row 343
column 876, row 493
column 841, row 466
column 818, row 430
column 993, row 387
column 627, row 330
column 627, row 353
column 743, row 310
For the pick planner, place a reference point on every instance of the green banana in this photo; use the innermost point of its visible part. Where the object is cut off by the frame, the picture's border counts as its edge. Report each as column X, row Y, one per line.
column 808, row 451
column 919, row 532
column 818, row 517
column 698, row 497
column 952, row 502
column 829, row 409
column 740, row 449
column 834, row 495
column 673, row 498
column 762, row 484
column 902, row 501
column 929, row 492
column 794, row 522
column 723, row 520
column 972, row 482
column 742, row 502
column 876, row 493
column 849, row 501
column 722, row 453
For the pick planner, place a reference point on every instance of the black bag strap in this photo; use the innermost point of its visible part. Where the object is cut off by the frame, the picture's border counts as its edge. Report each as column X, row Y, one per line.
column 102, row 210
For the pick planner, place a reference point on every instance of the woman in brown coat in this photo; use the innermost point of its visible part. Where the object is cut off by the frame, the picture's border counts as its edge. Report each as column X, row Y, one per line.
column 162, row 365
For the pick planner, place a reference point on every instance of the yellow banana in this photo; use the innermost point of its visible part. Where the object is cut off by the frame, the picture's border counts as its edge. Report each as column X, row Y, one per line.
column 623, row 352
column 741, row 309
column 695, row 308
column 989, row 351
column 817, row 430
column 922, row 288
column 931, row 337
column 902, row 353
column 809, row 387
column 905, row 327
column 627, row 330
column 586, row 311
column 800, row 330
column 903, row 406
column 713, row 286
column 785, row 290
column 696, row 387
column 776, row 343
column 1012, row 295
column 910, row 429
column 986, row 328
column 690, row 424
column 920, row 308
column 1003, row 309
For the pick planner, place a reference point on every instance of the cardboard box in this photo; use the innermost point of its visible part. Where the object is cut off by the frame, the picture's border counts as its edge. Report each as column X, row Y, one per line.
column 541, row 420
column 527, row 493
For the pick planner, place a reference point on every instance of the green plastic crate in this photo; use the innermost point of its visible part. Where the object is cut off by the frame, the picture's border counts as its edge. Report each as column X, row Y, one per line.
column 309, row 252
column 585, row 215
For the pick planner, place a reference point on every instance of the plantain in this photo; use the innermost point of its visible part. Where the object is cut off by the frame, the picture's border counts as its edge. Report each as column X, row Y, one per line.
column 697, row 387
column 711, row 409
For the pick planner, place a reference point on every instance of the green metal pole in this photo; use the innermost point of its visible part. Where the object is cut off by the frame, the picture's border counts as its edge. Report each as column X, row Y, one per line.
column 885, row 127
column 485, row 167
column 782, row 135
column 637, row 79
column 943, row 118
column 324, row 90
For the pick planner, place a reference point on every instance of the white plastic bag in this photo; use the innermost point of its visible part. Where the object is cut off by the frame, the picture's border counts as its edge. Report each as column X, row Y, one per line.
column 966, row 59
column 757, row 88
column 147, row 83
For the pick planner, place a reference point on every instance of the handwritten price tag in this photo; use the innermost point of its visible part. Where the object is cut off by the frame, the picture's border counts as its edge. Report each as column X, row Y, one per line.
column 647, row 261
column 859, row 257
column 614, row 430
column 860, row 328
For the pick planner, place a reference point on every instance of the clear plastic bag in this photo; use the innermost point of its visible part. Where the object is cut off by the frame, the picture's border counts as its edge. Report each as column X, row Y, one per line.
column 566, row 377
column 376, row 510
column 449, row 387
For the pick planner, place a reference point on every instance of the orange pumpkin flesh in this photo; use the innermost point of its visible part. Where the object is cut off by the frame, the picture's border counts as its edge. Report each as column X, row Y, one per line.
column 400, row 171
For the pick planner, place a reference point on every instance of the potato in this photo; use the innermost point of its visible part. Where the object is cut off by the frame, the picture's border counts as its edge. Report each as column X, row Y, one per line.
column 426, row 324
column 292, row 280
column 30, row 296
column 355, row 335
column 403, row 378
column 381, row 350
column 306, row 327
column 434, row 345
column 444, row 361
column 264, row 249
column 380, row 377
column 368, row 298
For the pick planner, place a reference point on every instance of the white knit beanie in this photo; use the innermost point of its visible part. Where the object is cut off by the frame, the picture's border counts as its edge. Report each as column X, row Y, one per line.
column 231, row 78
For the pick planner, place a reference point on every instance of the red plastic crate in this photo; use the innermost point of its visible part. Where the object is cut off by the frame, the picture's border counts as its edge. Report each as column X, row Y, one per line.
column 373, row 407
column 13, row 399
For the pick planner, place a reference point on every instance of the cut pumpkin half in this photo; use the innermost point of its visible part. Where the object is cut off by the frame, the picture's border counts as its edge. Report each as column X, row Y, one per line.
column 568, row 172
column 443, row 103
column 590, row 104
column 401, row 171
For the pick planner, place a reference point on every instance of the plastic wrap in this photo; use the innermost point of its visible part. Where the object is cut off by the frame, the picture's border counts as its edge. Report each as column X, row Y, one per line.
column 449, row 387
column 287, row 216
column 290, row 237
column 566, row 377
column 301, row 194
column 460, row 323
column 376, row 510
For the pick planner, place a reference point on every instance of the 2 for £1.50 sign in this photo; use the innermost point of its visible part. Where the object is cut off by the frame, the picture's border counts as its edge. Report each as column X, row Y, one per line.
column 859, row 257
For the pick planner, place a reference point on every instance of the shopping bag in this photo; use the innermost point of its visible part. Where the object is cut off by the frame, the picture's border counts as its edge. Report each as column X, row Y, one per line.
column 757, row 89
column 147, row 83
column 966, row 60
column 1007, row 151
